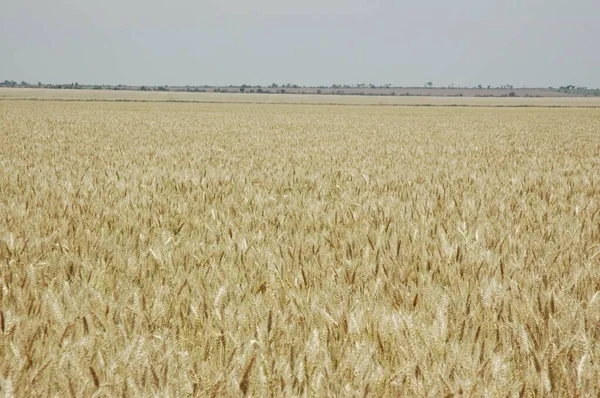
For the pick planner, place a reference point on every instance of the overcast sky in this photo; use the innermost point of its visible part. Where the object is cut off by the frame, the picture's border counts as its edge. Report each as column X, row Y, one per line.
column 311, row 42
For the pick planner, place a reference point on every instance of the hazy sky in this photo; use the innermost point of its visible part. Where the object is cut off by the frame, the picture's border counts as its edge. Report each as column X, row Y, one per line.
column 310, row 42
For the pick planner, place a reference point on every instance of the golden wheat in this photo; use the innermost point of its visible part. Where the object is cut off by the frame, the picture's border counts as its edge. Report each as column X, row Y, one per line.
column 247, row 249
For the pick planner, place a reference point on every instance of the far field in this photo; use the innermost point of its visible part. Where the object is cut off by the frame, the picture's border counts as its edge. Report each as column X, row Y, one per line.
column 152, row 248
column 563, row 92
column 326, row 99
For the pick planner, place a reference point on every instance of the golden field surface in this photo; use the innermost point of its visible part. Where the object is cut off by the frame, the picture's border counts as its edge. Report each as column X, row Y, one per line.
column 228, row 249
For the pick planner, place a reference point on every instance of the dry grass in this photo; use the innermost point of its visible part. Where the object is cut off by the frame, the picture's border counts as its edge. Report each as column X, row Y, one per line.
column 222, row 249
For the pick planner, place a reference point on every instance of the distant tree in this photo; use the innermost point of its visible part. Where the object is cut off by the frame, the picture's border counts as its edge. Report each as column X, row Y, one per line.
column 512, row 94
column 319, row 91
column 24, row 83
column 430, row 84
column 489, row 87
column 274, row 85
column 480, row 86
column 242, row 89
column 39, row 84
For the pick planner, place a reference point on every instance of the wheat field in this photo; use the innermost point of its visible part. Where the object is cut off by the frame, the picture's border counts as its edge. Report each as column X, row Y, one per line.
column 177, row 249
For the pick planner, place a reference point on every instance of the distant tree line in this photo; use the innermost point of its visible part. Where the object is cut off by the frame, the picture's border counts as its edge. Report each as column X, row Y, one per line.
column 12, row 83
column 335, row 89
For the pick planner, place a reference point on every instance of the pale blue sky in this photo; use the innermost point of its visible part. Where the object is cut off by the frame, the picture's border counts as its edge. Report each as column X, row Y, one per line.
column 310, row 42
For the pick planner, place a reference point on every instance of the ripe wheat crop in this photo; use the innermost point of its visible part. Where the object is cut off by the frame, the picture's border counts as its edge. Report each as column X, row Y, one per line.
column 290, row 250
